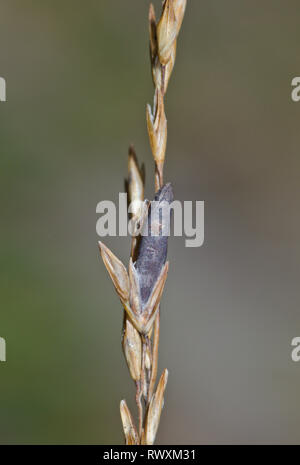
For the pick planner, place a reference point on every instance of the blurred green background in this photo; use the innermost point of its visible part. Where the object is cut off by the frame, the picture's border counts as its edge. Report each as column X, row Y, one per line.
column 78, row 79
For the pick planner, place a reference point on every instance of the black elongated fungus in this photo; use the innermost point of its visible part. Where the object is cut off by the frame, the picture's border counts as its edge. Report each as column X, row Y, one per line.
column 153, row 246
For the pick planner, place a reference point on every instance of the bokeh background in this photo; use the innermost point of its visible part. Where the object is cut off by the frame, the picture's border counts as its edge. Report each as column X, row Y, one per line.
column 78, row 80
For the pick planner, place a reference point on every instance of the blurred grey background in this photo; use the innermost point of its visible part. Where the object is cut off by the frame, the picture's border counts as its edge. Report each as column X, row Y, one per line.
column 78, row 79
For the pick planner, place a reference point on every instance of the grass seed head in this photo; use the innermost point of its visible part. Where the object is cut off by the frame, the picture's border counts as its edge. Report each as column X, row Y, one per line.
column 130, row 432
column 132, row 347
column 140, row 290
column 155, row 409
column 167, row 31
column 157, row 128
column 116, row 270
column 135, row 184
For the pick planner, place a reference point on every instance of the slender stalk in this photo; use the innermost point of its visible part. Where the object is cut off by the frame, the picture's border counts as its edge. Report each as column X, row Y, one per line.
column 140, row 289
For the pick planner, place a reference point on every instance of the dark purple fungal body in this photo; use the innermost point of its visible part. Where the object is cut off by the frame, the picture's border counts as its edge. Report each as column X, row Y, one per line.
column 153, row 247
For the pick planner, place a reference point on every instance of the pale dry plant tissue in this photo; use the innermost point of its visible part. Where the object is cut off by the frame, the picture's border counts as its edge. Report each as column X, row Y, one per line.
column 140, row 288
